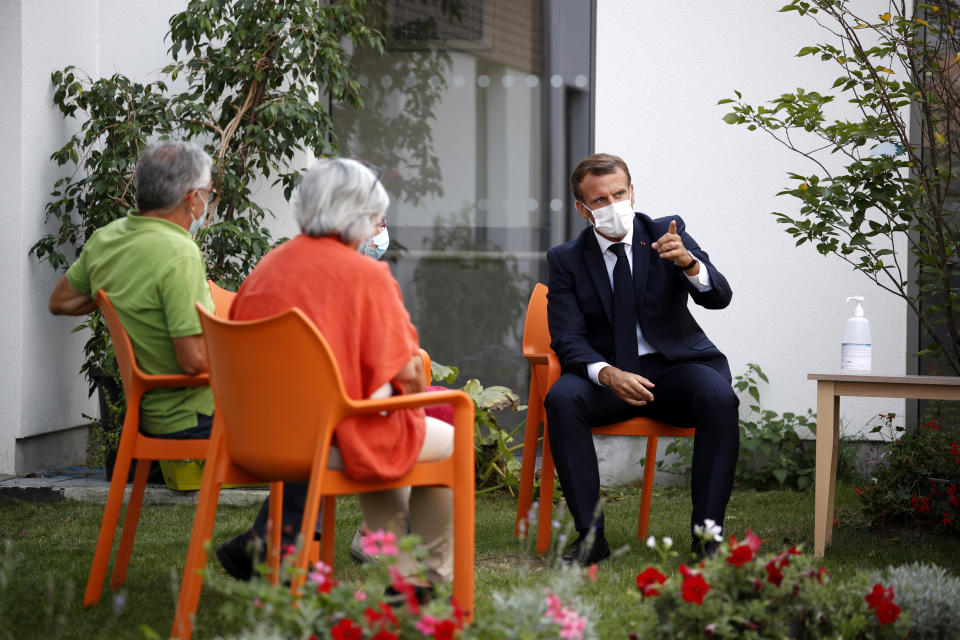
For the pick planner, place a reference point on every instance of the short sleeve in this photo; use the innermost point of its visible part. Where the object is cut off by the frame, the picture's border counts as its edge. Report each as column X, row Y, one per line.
column 78, row 277
column 183, row 285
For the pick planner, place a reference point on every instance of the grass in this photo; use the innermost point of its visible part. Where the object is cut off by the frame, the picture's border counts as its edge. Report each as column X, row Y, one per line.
column 45, row 553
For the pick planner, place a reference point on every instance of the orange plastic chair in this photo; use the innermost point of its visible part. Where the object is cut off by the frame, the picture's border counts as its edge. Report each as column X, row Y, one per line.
column 266, row 377
column 222, row 299
column 133, row 446
column 544, row 371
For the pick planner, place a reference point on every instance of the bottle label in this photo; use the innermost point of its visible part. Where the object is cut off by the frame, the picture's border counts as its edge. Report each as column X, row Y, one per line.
column 855, row 357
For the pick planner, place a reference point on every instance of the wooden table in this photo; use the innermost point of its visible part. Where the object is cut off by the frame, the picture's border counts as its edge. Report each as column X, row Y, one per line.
column 830, row 386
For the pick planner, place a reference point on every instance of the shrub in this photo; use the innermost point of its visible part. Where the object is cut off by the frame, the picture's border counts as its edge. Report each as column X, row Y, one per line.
column 916, row 479
column 326, row 608
column 497, row 466
column 929, row 595
column 739, row 593
column 775, row 449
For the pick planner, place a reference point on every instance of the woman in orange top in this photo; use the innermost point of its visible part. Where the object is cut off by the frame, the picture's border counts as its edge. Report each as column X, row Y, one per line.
column 356, row 304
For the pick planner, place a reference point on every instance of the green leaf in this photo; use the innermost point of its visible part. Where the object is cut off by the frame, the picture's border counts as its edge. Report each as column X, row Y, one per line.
column 731, row 118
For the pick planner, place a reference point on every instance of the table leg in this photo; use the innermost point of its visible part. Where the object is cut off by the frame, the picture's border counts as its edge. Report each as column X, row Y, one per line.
column 828, row 413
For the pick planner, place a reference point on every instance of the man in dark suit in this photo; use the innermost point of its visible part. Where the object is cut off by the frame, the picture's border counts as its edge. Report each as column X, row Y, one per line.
column 628, row 346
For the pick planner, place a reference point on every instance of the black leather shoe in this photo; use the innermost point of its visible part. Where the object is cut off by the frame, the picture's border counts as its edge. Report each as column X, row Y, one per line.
column 580, row 554
column 236, row 555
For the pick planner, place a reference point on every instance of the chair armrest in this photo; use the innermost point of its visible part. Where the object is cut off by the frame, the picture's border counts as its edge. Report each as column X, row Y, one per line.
column 553, row 369
column 412, row 401
column 166, row 380
column 536, row 357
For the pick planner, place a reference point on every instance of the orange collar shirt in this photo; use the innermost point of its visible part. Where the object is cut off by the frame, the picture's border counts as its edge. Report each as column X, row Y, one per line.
column 356, row 304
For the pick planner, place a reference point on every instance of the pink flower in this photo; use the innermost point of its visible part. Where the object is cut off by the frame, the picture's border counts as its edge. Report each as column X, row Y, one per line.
column 360, row 596
column 554, row 605
column 572, row 625
column 591, row 572
column 380, row 543
column 427, row 625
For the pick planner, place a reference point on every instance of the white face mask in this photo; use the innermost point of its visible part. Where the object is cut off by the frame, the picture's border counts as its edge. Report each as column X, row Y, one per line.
column 380, row 243
column 614, row 219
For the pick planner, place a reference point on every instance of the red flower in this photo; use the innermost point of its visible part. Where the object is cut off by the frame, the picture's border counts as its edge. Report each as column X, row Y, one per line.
column 592, row 572
column 920, row 505
column 444, row 630
column 879, row 595
column 346, row 630
column 820, row 573
column 946, row 518
column 380, row 618
column 648, row 580
column 740, row 555
column 694, row 587
column 888, row 612
column 774, row 575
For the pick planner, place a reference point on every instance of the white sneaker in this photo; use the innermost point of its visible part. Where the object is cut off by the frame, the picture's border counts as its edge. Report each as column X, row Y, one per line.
column 356, row 549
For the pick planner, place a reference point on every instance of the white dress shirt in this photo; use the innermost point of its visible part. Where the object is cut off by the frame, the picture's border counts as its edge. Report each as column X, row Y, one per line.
column 701, row 281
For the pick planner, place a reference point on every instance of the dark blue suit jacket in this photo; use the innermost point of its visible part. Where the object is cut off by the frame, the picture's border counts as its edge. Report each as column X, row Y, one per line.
column 580, row 300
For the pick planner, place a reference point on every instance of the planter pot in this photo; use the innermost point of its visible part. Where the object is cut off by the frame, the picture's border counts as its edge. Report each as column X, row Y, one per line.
column 186, row 475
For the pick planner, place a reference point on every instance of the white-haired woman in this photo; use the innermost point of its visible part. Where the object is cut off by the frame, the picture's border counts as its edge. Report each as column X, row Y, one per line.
column 356, row 304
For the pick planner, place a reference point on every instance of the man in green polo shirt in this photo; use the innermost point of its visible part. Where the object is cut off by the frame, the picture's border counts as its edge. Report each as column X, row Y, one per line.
column 152, row 269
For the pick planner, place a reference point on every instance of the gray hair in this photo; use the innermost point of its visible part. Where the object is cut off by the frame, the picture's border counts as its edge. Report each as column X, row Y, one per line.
column 340, row 197
column 167, row 171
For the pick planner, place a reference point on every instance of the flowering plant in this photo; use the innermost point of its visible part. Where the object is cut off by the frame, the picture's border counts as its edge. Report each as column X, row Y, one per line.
column 916, row 479
column 739, row 592
column 327, row 609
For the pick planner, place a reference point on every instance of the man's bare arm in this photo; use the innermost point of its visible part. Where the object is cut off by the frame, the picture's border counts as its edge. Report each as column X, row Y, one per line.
column 191, row 354
column 65, row 300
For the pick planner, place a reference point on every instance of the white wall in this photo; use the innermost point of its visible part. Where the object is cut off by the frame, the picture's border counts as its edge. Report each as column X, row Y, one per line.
column 661, row 67
column 40, row 389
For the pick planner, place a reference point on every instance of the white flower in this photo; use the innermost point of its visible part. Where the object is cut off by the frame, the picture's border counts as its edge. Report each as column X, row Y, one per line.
column 667, row 542
column 712, row 529
column 651, row 542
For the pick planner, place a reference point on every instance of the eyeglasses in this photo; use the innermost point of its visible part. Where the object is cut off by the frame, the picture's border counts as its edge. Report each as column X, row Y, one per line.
column 211, row 194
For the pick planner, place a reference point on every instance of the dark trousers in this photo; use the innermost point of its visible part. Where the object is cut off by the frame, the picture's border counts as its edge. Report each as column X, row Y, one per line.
column 294, row 493
column 687, row 394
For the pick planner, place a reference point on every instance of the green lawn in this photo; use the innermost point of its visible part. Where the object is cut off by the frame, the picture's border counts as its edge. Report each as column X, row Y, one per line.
column 48, row 547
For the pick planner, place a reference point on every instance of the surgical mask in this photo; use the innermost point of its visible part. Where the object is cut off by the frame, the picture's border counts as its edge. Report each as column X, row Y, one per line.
column 195, row 224
column 380, row 243
column 614, row 219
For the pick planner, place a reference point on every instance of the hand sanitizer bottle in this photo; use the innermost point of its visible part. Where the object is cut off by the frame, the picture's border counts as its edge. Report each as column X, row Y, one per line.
column 856, row 347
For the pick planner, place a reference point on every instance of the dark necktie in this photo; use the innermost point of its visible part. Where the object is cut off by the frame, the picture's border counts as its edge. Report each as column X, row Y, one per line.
column 624, row 313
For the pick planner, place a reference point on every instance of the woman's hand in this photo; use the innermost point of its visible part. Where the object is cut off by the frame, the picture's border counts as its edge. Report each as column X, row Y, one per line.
column 410, row 378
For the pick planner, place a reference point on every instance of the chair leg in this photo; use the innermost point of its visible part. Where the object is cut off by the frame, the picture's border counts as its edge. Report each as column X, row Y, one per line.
column 195, row 564
column 545, row 517
column 463, row 546
column 309, row 523
column 274, row 532
column 328, row 529
column 108, row 525
column 528, row 466
column 130, row 521
column 646, row 492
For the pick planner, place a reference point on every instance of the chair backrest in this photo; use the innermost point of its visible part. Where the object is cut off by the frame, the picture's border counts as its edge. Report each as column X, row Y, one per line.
column 222, row 299
column 425, row 358
column 122, row 346
column 277, row 389
column 536, row 332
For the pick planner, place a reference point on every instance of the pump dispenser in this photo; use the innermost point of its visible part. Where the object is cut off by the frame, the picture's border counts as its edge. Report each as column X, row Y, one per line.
column 855, row 352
